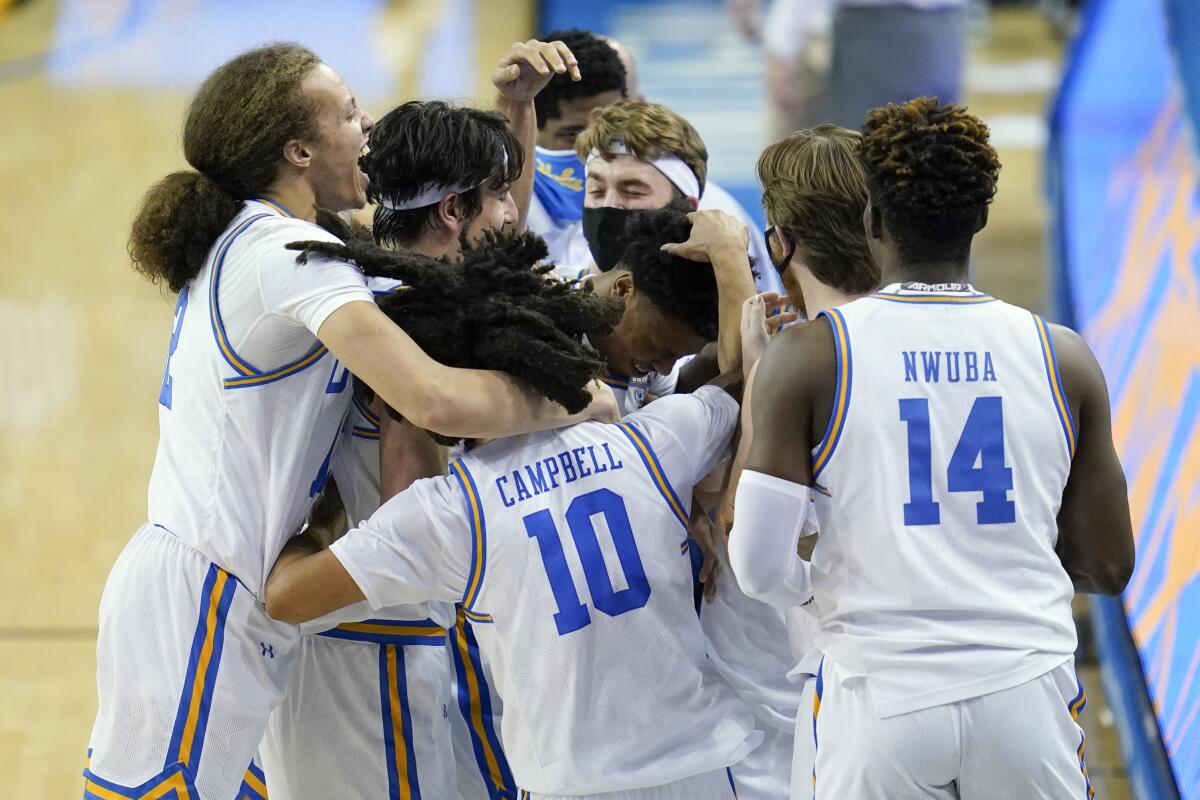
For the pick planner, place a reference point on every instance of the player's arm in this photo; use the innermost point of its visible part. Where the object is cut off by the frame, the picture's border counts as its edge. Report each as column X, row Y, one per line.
column 409, row 551
column 721, row 239
column 1095, row 534
column 786, row 408
column 308, row 582
column 455, row 402
column 523, row 72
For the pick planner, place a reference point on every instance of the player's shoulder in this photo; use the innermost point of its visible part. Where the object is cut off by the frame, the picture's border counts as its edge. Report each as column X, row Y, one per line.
column 670, row 413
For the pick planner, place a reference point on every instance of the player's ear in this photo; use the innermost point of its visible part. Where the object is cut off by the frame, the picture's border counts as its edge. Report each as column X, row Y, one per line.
column 981, row 223
column 623, row 286
column 873, row 221
column 449, row 213
column 296, row 153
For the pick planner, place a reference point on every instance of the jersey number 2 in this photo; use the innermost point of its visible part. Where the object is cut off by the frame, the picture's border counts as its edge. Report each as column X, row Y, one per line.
column 981, row 442
column 572, row 614
column 164, row 396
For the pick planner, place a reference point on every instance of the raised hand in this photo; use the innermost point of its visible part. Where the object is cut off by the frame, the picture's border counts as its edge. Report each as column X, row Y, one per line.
column 713, row 232
column 528, row 66
column 759, row 321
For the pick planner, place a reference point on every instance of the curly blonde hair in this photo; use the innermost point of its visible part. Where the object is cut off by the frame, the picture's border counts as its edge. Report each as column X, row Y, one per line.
column 649, row 130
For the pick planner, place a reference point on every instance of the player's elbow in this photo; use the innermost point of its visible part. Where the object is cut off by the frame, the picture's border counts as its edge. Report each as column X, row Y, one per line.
column 1114, row 574
column 753, row 576
column 284, row 600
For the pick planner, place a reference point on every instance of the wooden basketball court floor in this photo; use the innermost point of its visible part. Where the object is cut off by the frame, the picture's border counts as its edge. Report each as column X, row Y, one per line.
column 82, row 343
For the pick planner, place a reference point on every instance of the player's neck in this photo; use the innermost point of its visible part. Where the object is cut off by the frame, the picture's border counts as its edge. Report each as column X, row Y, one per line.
column 950, row 270
column 820, row 297
column 435, row 246
column 296, row 196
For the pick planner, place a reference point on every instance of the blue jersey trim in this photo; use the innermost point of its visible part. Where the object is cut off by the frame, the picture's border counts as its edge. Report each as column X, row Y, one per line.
column 478, row 523
column 658, row 475
column 934, row 299
column 240, row 365
column 1057, row 393
column 841, row 395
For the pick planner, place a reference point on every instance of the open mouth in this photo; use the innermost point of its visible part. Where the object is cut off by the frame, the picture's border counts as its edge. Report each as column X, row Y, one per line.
column 362, row 175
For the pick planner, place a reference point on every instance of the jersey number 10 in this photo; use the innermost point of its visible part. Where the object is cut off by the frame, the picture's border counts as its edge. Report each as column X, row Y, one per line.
column 572, row 614
column 982, row 441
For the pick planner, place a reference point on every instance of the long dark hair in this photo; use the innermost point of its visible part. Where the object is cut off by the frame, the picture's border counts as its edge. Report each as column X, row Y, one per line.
column 426, row 142
column 233, row 136
column 492, row 310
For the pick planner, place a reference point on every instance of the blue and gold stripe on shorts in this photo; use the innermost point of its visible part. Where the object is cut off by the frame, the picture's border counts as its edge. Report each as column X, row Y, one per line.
column 195, row 702
column 397, row 725
column 390, row 632
column 657, row 475
column 1075, row 707
column 254, row 784
column 475, row 703
column 841, row 394
column 170, row 784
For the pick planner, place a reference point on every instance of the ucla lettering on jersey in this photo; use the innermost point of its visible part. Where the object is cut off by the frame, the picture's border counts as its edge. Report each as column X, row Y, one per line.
column 939, row 479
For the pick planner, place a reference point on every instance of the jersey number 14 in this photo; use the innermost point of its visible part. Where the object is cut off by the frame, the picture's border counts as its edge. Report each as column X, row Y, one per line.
column 981, row 442
column 572, row 614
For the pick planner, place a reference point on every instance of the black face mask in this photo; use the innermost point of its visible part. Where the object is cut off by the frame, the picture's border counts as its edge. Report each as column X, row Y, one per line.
column 604, row 229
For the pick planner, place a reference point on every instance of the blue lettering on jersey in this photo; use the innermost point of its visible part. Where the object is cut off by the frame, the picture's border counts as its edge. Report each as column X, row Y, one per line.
column 337, row 383
column 960, row 366
column 542, row 476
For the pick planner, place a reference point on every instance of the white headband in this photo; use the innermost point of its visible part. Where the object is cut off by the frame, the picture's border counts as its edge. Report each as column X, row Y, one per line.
column 434, row 192
column 430, row 193
column 673, row 168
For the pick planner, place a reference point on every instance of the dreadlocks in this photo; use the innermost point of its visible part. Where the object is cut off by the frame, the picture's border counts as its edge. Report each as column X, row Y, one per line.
column 931, row 172
column 491, row 310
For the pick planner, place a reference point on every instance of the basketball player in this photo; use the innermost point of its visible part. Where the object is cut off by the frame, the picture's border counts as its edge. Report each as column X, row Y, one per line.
column 253, row 395
column 347, row 678
column 617, row 698
column 556, row 210
column 814, row 191
column 959, row 453
column 714, row 197
column 674, row 304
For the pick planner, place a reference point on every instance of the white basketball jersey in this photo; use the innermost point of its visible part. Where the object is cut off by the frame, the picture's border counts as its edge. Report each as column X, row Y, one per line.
column 569, row 546
column 356, row 471
column 939, row 481
column 251, row 403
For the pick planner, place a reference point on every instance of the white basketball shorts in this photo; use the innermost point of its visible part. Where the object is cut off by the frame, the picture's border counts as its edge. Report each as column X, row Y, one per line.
column 715, row 785
column 188, row 667
column 366, row 715
column 1021, row 742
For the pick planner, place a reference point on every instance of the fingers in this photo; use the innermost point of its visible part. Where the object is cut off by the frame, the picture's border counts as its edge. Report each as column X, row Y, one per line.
column 777, row 321
column 568, row 58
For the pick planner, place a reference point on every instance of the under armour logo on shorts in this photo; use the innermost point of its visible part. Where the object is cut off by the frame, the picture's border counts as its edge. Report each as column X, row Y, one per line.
column 268, row 650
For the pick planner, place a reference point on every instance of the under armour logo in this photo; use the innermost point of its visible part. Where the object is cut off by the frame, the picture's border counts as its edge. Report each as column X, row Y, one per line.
column 268, row 650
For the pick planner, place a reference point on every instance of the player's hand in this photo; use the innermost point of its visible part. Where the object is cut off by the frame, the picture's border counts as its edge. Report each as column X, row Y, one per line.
column 603, row 407
column 759, row 322
column 528, row 66
column 747, row 18
column 712, row 544
column 712, row 232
